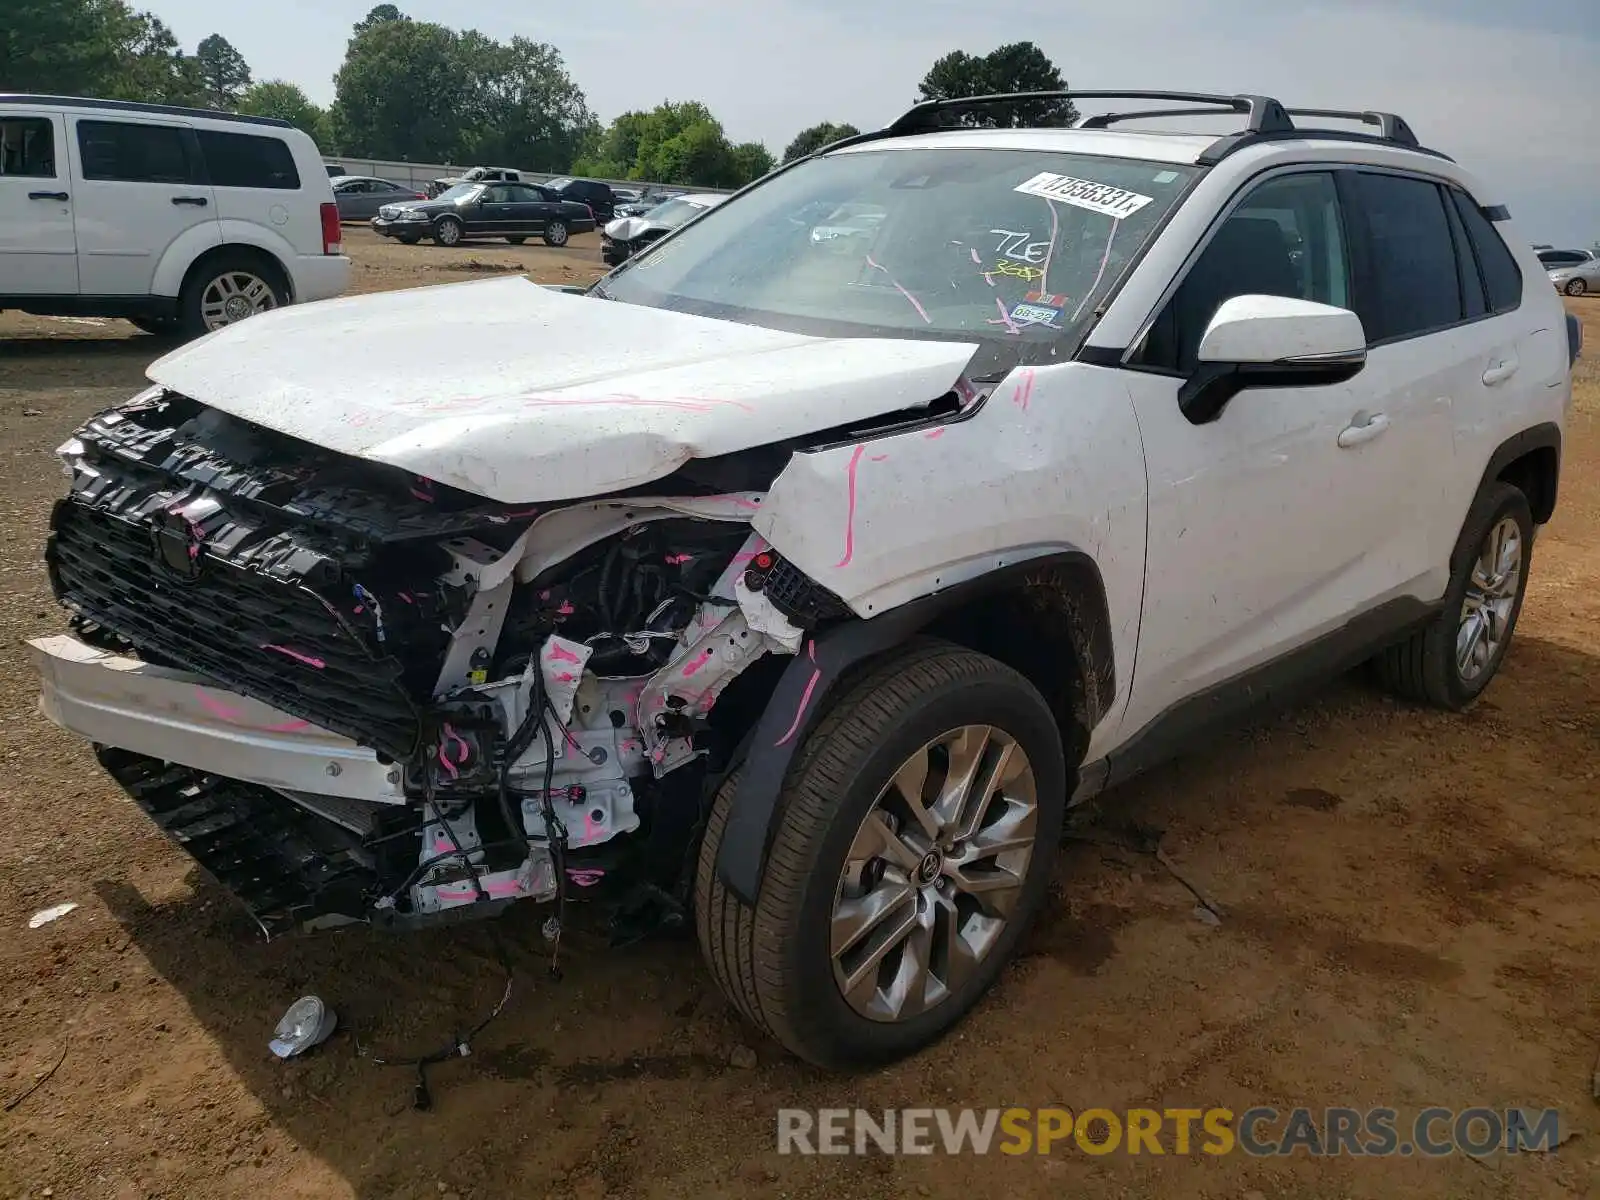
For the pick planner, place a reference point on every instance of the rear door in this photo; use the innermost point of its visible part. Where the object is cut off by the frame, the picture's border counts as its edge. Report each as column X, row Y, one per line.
column 140, row 187
column 38, row 250
column 256, row 183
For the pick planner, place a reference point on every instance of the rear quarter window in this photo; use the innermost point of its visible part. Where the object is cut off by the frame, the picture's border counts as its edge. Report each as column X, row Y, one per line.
column 1413, row 257
column 1501, row 276
column 247, row 160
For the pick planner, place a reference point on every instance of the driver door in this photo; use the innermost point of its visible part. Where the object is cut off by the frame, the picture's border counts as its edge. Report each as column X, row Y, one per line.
column 1270, row 526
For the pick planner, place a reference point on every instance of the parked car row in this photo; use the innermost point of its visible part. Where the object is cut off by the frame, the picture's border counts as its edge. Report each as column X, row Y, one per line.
column 474, row 211
column 1575, row 272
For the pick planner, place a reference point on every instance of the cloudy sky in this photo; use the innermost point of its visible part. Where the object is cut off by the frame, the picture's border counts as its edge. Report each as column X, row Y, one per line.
column 1510, row 89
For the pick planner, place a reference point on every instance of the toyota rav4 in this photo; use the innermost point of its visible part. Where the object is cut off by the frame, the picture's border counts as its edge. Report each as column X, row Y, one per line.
column 795, row 594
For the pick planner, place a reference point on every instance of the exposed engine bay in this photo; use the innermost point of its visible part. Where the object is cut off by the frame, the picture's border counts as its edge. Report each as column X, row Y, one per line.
column 550, row 690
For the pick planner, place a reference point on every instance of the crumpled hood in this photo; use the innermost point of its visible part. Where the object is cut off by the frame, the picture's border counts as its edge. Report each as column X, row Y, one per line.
column 521, row 393
column 625, row 229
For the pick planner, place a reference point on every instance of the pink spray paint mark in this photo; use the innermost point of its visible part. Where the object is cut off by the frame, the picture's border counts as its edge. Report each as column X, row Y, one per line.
column 585, row 876
column 358, row 610
column 937, row 433
column 406, row 596
column 1024, row 389
column 683, row 403
column 1044, row 276
column 565, row 677
column 915, row 303
column 566, row 609
column 1095, row 287
column 498, row 890
column 559, row 653
column 805, row 696
column 226, row 712
column 297, row 656
column 1005, row 318
column 695, row 663
column 878, row 458
column 737, row 501
column 451, row 736
column 677, row 560
column 850, row 508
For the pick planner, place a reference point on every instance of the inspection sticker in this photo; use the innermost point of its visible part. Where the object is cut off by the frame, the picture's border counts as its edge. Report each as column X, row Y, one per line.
column 1113, row 202
column 1035, row 314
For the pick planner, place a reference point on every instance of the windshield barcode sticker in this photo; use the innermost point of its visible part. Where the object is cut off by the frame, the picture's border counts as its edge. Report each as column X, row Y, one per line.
column 1114, row 202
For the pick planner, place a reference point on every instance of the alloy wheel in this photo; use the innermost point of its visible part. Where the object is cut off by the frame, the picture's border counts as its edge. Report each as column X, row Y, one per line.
column 1490, row 599
column 233, row 296
column 934, row 873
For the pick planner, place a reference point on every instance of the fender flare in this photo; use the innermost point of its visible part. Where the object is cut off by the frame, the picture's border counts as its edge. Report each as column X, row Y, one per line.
column 1544, row 436
column 190, row 246
column 802, row 693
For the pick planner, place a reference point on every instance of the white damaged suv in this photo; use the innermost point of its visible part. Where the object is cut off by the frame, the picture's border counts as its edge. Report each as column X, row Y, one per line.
column 795, row 588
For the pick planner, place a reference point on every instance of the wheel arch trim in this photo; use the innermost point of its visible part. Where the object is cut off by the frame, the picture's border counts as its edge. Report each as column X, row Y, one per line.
column 815, row 673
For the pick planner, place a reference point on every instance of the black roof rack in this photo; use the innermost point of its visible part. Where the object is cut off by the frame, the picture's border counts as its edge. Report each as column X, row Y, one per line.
column 164, row 110
column 1265, row 115
column 1265, row 119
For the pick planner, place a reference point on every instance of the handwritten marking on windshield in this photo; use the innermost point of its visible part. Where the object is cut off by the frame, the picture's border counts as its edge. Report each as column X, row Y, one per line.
column 1018, row 270
column 1015, row 244
column 1099, row 275
column 1005, row 317
column 915, row 303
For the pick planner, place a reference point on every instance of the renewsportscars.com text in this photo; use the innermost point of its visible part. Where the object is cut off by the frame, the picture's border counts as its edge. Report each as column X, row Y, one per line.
column 1260, row 1132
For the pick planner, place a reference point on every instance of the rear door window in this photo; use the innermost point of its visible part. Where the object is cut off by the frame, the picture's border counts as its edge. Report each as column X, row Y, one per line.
column 1416, row 282
column 28, row 147
column 246, row 160
column 134, row 152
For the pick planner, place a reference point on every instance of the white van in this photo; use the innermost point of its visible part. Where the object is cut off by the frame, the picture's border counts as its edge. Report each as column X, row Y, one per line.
column 181, row 220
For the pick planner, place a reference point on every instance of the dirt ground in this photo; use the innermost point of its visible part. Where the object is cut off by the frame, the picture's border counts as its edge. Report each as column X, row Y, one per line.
column 1411, row 919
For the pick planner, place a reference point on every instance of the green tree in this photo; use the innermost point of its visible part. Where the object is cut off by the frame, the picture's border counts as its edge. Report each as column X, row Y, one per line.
column 1015, row 67
column 283, row 100
column 68, row 46
column 520, row 107
column 751, row 160
column 809, row 141
column 151, row 66
column 399, row 94
column 378, row 15
column 224, row 74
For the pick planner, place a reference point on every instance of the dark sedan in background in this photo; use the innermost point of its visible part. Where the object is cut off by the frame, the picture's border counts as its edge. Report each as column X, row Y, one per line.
column 626, row 236
column 359, row 197
column 474, row 211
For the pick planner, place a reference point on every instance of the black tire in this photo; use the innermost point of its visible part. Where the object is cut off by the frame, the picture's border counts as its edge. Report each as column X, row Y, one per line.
column 1424, row 667
column 773, row 962
column 556, row 233
column 448, row 231
column 1576, row 287
column 516, row 241
column 231, row 266
column 409, row 239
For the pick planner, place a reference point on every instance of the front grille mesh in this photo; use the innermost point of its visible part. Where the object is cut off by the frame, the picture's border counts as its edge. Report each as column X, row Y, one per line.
column 269, row 638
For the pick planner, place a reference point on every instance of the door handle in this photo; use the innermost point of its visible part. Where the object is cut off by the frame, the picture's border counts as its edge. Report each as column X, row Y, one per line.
column 1358, row 431
column 47, row 196
column 196, row 201
column 1500, row 372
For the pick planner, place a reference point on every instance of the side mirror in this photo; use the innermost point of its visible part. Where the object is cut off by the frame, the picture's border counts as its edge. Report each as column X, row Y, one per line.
column 1271, row 342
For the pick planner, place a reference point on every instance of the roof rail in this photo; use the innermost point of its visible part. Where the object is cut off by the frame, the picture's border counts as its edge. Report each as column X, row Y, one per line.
column 1266, row 119
column 1265, row 115
column 164, row 110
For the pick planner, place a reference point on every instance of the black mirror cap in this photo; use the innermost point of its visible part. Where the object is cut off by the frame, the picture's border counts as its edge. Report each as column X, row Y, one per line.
column 1207, row 391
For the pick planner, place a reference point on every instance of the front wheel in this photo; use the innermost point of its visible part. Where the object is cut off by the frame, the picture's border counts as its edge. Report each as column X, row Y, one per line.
column 556, row 233
column 447, row 231
column 1451, row 660
column 1576, row 287
column 914, row 844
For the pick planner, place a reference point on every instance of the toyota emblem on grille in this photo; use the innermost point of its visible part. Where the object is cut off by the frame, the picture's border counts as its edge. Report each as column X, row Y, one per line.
column 179, row 543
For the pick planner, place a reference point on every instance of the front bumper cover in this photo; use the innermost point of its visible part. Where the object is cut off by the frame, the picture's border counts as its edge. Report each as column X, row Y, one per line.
column 182, row 718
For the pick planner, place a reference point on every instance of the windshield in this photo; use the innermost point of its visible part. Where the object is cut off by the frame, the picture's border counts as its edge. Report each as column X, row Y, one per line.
column 672, row 213
column 951, row 243
column 461, row 191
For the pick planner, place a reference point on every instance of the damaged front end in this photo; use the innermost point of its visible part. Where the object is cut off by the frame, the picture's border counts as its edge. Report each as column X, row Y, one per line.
column 353, row 695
